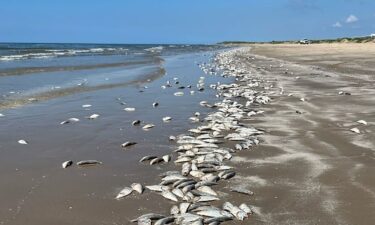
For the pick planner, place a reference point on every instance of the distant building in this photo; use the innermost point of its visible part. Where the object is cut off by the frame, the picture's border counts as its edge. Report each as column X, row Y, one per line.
column 372, row 35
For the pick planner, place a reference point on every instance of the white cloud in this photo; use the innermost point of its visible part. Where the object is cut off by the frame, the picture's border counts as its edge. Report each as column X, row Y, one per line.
column 351, row 19
column 337, row 24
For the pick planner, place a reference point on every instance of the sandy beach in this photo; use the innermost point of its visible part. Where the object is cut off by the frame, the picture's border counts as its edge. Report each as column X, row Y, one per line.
column 310, row 166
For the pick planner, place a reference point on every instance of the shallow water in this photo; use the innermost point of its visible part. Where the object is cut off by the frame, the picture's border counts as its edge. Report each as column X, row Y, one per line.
column 39, row 191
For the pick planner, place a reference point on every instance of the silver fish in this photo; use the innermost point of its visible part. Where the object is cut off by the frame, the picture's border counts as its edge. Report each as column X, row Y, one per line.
column 186, row 167
column 208, row 190
column 144, row 221
column 245, row 208
column 136, row 122
column 157, row 188
column 166, row 220
column 178, row 192
column 151, row 216
column 234, row 210
column 184, row 207
column 93, row 116
column 166, row 158
column 128, row 143
column 156, row 160
column 88, row 162
column 70, row 120
column 67, row 164
column 124, row 192
column 137, row 187
column 175, row 210
column 169, row 195
column 206, row 198
column 167, row 119
column 242, row 191
column 148, row 157
column 148, row 126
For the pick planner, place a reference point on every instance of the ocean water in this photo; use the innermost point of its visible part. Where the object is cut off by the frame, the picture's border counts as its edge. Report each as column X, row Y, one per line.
column 35, row 72
column 40, row 93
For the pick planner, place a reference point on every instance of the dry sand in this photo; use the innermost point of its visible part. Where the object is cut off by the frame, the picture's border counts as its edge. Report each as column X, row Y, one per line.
column 311, row 169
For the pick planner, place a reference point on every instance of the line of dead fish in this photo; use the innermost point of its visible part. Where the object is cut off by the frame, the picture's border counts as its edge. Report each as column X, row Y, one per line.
column 201, row 156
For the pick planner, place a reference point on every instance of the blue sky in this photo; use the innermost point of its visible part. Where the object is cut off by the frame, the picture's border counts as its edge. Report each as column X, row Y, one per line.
column 182, row 21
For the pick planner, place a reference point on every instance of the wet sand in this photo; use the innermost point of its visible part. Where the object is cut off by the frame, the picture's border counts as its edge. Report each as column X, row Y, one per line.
column 309, row 169
column 36, row 190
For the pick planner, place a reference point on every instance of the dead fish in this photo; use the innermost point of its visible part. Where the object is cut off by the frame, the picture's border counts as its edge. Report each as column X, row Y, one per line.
column 186, row 167
column 156, row 160
column 148, row 126
column 148, row 157
column 136, row 122
column 187, row 218
column 178, row 192
column 137, row 187
column 88, row 162
column 214, row 213
column 237, row 212
column 128, row 143
column 194, row 119
column 355, row 130
column 242, row 191
column 155, row 104
column 179, row 93
column 169, row 195
column 22, row 142
column 187, row 185
column 169, row 173
column 178, row 183
column 197, row 173
column 226, row 174
column 144, row 221
column 362, row 122
column 166, row 158
column 70, row 120
column 93, row 116
column 207, row 190
column 86, row 106
column 174, row 210
column 67, row 164
column 182, row 160
column 245, row 208
column 184, row 207
column 151, row 216
column 344, row 93
column 129, row 109
column 217, row 220
column 174, row 177
column 205, row 198
column 124, row 192
column 157, row 188
column 167, row 119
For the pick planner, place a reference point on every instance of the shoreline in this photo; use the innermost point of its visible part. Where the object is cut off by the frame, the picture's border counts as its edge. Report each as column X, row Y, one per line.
column 305, row 169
